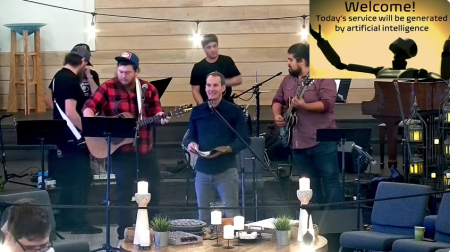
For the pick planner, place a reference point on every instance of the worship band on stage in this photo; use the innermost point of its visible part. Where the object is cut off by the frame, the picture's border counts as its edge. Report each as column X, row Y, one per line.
column 75, row 92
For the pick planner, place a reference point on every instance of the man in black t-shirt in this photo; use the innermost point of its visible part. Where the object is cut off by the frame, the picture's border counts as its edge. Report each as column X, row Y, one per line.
column 69, row 165
column 213, row 62
column 89, row 82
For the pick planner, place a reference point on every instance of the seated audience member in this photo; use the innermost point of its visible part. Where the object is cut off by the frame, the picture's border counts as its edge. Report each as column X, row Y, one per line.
column 27, row 229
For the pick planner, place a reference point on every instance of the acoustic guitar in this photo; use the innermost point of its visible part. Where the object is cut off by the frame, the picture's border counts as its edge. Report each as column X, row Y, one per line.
column 98, row 146
column 290, row 117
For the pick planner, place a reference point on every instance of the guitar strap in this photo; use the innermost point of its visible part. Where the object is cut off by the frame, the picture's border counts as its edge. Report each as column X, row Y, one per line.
column 71, row 126
column 139, row 97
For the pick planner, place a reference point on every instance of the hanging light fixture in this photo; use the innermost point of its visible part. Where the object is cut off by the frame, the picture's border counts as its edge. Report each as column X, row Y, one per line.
column 416, row 165
column 197, row 38
column 412, row 124
column 304, row 32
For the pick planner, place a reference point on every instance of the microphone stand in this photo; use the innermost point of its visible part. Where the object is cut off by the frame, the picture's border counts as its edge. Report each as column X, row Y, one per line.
column 136, row 136
column 255, row 156
column 256, row 92
column 361, row 153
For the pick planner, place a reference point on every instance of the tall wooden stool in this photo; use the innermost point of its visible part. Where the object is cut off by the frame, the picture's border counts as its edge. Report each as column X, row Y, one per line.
column 26, row 29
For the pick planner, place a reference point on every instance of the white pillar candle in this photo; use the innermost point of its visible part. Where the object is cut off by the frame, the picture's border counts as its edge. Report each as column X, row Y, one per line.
column 216, row 217
column 447, row 175
column 144, row 237
column 228, row 232
column 142, row 187
column 239, row 222
column 304, row 184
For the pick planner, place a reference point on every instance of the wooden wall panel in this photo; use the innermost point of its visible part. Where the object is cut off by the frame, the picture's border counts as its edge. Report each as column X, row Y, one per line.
column 129, row 4
column 202, row 13
column 165, row 48
column 170, row 99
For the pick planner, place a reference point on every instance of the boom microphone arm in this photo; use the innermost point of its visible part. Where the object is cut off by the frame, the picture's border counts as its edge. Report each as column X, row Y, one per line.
column 383, row 72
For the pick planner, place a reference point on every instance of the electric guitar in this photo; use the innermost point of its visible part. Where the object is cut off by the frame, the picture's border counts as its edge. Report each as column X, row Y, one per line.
column 98, row 146
column 290, row 117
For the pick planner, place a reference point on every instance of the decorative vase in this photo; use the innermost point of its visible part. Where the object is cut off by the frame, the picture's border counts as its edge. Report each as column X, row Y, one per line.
column 283, row 238
column 161, row 239
column 129, row 234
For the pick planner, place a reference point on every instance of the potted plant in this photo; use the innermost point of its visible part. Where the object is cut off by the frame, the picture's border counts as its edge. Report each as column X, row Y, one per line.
column 282, row 226
column 161, row 227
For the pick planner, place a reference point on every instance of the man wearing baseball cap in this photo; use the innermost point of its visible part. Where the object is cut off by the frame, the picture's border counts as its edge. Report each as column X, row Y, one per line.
column 70, row 163
column 108, row 101
column 89, row 81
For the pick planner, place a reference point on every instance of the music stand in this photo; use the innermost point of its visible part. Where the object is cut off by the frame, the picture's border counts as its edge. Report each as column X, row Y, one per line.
column 341, row 136
column 41, row 132
column 110, row 128
column 161, row 86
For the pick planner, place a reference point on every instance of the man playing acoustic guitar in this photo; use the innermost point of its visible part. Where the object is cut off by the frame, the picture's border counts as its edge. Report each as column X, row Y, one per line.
column 315, row 160
column 119, row 95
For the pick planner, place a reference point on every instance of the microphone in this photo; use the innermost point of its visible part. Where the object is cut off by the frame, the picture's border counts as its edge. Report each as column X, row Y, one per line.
column 278, row 74
column 361, row 151
column 210, row 104
column 144, row 88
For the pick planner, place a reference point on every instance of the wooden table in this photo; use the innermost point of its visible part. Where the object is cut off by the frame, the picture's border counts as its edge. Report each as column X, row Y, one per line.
column 261, row 246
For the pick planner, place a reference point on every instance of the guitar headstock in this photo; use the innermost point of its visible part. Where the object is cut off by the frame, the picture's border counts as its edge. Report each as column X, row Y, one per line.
column 181, row 110
column 307, row 81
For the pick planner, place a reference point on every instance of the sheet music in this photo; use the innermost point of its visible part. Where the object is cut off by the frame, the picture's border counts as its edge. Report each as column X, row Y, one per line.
column 203, row 153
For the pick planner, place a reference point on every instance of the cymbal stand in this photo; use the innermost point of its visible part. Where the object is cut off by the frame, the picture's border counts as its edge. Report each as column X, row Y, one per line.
column 256, row 93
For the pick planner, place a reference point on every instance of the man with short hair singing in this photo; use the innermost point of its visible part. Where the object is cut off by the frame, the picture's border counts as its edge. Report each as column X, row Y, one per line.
column 315, row 110
column 207, row 132
column 211, row 63
column 118, row 95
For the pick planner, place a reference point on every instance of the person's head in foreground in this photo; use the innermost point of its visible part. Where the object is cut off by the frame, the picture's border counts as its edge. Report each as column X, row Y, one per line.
column 27, row 230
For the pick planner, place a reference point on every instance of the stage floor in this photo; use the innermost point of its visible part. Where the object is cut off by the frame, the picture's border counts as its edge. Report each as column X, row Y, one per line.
column 343, row 112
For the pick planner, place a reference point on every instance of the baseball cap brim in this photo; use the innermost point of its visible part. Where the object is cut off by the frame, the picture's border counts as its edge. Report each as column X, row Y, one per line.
column 118, row 59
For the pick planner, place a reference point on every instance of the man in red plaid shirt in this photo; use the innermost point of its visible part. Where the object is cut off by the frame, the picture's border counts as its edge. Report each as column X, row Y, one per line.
column 120, row 95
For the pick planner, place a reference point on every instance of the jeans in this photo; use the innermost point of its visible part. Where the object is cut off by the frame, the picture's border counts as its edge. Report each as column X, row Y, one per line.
column 73, row 175
column 320, row 164
column 226, row 184
column 124, row 168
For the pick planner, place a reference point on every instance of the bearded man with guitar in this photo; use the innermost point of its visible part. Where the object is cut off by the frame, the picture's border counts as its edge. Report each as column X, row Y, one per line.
column 309, row 106
column 123, row 95
column 213, row 62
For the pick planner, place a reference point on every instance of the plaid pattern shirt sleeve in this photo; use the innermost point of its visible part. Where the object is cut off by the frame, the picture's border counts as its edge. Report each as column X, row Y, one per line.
column 98, row 99
column 152, row 99
column 151, row 106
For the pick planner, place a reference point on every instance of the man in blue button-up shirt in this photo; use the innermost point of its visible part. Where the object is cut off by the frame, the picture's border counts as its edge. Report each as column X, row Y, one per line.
column 206, row 132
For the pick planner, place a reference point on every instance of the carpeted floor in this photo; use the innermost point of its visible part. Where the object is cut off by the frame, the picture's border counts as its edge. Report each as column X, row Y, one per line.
column 95, row 240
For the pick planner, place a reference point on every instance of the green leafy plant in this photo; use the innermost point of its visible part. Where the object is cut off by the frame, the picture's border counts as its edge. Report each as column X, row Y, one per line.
column 160, row 224
column 282, row 223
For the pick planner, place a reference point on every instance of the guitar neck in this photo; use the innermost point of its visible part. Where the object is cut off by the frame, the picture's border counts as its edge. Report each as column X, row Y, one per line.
column 154, row 119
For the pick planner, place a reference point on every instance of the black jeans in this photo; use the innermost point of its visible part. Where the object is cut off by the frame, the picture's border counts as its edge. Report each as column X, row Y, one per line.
column 73, row 175
column 124, row 168
column 320, row 164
